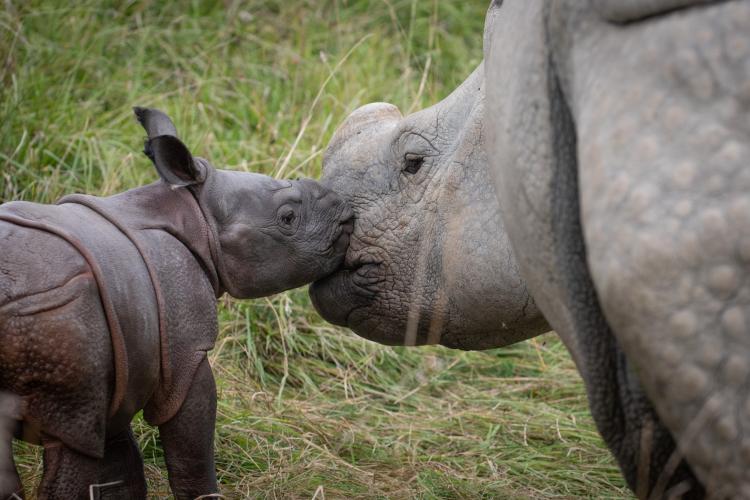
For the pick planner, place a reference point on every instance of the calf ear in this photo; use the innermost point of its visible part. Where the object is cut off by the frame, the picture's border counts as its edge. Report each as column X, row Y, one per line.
column 172, row 159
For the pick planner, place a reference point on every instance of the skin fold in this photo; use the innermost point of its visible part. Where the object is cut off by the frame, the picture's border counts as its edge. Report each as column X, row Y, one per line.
column 614, row 135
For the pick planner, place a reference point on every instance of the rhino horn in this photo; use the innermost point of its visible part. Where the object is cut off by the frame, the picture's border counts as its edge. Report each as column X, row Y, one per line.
column 360, row 119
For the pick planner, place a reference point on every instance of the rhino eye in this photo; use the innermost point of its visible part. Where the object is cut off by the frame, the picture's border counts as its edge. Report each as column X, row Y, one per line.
column 288, row 218
column 413, row 163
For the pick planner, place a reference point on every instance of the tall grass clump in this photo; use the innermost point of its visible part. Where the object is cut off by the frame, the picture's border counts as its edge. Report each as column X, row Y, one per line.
column 306, row 410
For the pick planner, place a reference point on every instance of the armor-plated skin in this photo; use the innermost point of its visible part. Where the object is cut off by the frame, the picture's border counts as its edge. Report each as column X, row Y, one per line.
column 108, row 306
column 617, row 139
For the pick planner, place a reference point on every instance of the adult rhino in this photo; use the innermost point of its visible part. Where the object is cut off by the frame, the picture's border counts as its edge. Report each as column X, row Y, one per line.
column 617, row 138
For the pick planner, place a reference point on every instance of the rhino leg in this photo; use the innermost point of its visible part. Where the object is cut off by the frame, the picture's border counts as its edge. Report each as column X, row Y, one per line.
column 10, row 482
column 662, row 113
column 67, row 474
column 122, row 468
column 188, row 439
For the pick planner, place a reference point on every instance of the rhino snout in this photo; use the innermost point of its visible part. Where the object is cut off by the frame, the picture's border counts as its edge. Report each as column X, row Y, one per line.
column 333, row 209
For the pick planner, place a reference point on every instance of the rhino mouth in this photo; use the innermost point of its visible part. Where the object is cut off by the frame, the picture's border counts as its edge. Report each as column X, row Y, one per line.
column 366, row 270
column 341, row 297
column 356, row 296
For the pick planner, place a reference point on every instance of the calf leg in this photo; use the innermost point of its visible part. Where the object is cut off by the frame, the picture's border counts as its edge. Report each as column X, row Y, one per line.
column 188, row 440
column 10, row 483
column 121, row 476
column 68, row 474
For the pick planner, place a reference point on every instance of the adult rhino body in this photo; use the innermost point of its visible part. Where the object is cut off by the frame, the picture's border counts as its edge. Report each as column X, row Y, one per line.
column 615, row 135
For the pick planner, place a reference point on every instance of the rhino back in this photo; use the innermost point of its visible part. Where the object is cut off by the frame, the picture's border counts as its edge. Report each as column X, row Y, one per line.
column 24, row 251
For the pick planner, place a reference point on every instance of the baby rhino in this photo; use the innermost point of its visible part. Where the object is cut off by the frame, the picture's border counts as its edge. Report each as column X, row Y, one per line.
column 108, row 306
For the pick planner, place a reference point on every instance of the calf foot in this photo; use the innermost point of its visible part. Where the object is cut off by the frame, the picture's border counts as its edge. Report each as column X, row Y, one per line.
column 67, row 474
column 10, row 483
column 121, row 475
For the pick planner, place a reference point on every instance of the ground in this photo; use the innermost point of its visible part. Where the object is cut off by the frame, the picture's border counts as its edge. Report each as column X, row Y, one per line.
column 306, row 410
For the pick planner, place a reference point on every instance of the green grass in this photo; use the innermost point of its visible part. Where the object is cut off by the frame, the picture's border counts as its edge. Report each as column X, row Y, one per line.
column 306, row 410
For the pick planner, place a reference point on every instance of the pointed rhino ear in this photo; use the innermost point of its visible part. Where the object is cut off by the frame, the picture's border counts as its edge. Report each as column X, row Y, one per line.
column 172, row 159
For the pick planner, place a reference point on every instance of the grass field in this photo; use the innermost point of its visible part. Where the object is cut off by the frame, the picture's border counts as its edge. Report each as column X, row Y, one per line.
column 306, row 410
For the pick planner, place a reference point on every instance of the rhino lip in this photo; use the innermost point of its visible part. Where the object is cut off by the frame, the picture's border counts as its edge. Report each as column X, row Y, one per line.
column 366, row 276
column 364, row 270
column 360, row 273
column 339, row 295
column 342, row 296
column 353, row 286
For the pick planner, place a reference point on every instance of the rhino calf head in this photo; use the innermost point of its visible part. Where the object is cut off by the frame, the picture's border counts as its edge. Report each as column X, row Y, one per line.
column 429, row 260
column 273, row 234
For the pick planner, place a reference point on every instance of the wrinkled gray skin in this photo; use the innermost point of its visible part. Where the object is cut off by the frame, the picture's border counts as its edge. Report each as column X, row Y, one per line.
column 617, row 138
column 203, row 231
column 428, row 246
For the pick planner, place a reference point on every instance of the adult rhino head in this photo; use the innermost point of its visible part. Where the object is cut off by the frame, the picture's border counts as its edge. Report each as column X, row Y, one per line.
column 429, row 261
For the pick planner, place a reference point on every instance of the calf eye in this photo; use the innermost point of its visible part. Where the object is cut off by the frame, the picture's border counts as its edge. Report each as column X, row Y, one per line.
column 288, row 218
column 412, row 163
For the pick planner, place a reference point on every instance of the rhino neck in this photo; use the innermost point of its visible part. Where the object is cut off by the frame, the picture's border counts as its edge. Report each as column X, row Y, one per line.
column 158, row 207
